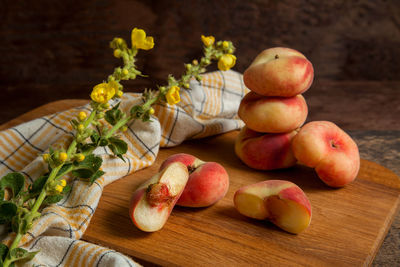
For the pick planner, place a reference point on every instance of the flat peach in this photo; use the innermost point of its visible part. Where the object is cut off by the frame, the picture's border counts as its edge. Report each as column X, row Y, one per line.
column 265, row 151
column 273, row 114
column 279, row 71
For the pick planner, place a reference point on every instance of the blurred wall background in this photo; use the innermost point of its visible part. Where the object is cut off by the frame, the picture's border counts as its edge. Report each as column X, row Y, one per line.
column 59, row 49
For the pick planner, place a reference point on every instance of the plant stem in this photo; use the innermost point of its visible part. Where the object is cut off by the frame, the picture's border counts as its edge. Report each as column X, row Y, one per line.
column 39, row 200
column 14, row 245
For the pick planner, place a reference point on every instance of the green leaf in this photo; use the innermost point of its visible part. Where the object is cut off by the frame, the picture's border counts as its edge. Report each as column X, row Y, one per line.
column 137, row 111
column 66, row 189
column 113, row 115
column 95, row 176
column 95, row 137
column 3, row 253
column 87, row 148
column 36, row 187
column 13, row 181
column 146, row 117
column 51, row 199
column 66, row 168
column 103, row 142
column 7, row 211
column 20, row 254
column 88, row 167
column 74, row 123
column 118, row 147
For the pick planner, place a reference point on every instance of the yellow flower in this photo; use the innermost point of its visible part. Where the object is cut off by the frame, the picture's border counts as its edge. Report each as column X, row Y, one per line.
column 63, row 183
column 151, row 111
column 63, row 156
column 140, row 40
column 103, row 92
column 173, row 96
column 226, row 62
column 225, row 44
column 208, row 40
column 82, row 115
column 59, row 188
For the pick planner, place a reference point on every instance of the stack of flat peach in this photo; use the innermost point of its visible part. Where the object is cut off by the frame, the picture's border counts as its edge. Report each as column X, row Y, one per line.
column 273, row 138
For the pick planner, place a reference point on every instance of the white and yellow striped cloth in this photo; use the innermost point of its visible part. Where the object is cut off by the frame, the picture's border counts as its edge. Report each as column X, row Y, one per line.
column 209, row 108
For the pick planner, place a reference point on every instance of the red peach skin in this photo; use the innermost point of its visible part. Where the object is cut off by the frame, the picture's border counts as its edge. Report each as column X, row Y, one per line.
column 273, row 114
column 279, row 71
column 265, row 151
column 331, row 151
column 208, row 181
column 281, row 202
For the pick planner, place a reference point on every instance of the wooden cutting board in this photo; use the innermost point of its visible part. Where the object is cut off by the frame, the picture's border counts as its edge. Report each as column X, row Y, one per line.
column 347, row 228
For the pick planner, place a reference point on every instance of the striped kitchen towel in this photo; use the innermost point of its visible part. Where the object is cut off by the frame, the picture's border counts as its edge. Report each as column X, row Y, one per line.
column 209, row 108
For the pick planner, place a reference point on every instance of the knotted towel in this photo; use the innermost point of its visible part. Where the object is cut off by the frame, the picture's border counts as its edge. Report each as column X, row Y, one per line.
column 209, row 108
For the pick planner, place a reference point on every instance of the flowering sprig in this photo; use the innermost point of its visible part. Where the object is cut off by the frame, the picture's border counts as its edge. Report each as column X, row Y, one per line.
column 20, row 206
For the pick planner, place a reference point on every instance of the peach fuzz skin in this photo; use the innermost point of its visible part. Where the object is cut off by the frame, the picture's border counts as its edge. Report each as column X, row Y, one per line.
column 279, row 71
column 281, row 202
column 331, row 151
column 208, row 181
column 273, row 114
column 265, row 151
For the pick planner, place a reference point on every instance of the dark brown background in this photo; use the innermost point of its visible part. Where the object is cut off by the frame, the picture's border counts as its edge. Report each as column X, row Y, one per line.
column 59, row 49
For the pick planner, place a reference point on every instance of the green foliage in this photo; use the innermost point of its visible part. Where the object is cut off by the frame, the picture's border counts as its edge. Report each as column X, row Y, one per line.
column 13, row 181
column 118, row 147
column 3, row 253
column 51, row 199
column 20, row 254
column 37, row 186
column 8, row 210
column 137, row 111
column 114, row 115
column 88, row 168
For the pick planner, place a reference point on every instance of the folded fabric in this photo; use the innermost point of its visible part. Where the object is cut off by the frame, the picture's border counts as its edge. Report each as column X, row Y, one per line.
column 209, row 108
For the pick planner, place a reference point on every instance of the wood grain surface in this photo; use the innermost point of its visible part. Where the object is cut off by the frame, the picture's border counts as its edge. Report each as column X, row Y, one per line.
column 347, row 228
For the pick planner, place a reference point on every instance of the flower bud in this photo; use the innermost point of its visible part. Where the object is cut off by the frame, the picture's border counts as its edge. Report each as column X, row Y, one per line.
column 99, row 115
column 46, row 157
column 63, row 156
column 119, row 93
column 125, row 71
column 81, row 128
column 119, row 41
column 117, row 53
column 151, row 111
column 82, row 116
column 80, row 157
column 59, row 188
column 124, row 128
column 195, row 62
column 225, row 44
column 63, row 183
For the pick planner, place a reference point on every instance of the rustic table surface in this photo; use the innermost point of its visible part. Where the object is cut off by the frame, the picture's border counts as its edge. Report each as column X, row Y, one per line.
column 61, row 51
column 380, row 146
